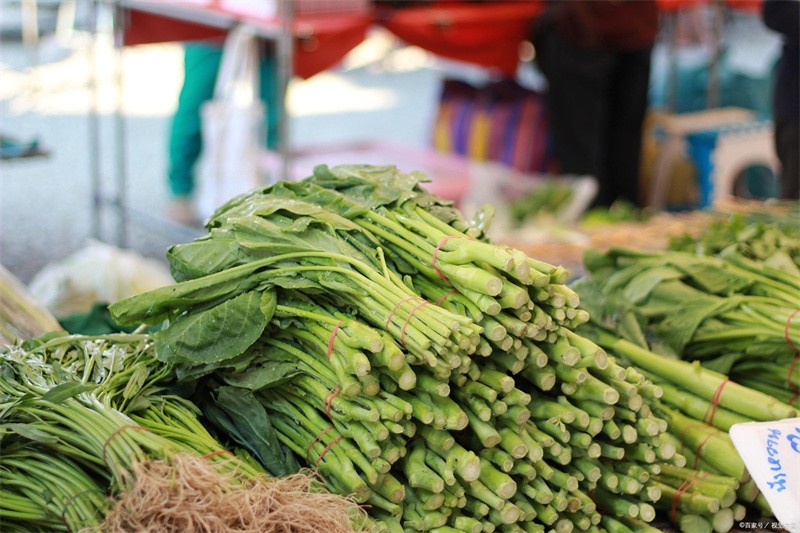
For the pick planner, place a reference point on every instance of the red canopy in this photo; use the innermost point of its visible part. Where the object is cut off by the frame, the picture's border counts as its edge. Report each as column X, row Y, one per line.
column 740, row 5
column 321, row 41
column 487, row 34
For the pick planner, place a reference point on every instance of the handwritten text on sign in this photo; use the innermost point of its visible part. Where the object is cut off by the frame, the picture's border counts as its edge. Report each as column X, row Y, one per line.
column 771, row 452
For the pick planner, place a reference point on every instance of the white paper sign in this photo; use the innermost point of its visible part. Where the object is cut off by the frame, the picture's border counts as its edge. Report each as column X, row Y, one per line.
column 771, row 453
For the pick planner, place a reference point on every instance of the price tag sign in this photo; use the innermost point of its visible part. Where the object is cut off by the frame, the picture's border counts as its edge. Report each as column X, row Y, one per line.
column 771, row 453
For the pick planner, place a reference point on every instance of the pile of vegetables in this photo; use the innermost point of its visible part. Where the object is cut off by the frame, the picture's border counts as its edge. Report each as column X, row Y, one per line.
column 546, row 200
column 713, row 490
column 773, row 239
column 353, row 323
column 89, row 440
column 735, row 315
column 731, row 311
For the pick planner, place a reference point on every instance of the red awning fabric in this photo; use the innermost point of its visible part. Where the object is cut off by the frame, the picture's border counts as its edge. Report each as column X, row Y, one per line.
column 320, row 41
column 146, row 28
column 485, row 34
column 738, row 5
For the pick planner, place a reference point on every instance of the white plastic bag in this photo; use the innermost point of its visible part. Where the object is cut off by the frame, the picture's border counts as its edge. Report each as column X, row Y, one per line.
column 97, row 273
column 233, row 125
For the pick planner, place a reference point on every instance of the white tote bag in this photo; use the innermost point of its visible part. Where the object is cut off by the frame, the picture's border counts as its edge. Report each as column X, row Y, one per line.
column 233, row 125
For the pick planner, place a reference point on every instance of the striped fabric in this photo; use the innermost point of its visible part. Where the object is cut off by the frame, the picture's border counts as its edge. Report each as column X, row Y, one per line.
column 501, row 122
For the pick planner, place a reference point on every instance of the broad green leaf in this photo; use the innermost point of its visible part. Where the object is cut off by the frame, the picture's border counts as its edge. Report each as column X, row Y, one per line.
column 64, row 391
column 269, row 301
column 642, row 284
column 269, row 237
column 709, row 274
column 291, row 210
column 136, row 381
column 28, row 431
column 372, row 186
column 339, row 283
column 780, row 260
column 270, row 374
column 724, row 363
column 297, row 282
column 139, row 403
column 203, row 257
column 160, row 304
column 213, row 335
column 239, row 413
column 620, row 277
column 678, row 327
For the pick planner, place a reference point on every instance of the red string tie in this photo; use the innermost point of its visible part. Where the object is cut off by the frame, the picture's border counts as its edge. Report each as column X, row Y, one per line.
column 405, row 324
column 218, row 452
column 436, row 252
column 316, row 439
column 329, row 400
column 69, row 501
column 114, row 434
column 687, row 484
column 711, row 411
column 794, row 388
column 396, row 307
column 444, row 296
column 702, row 443
column 332, row 339
column 326, row 450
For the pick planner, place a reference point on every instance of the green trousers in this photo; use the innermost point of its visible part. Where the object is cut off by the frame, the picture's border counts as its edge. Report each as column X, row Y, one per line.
column 201, row 63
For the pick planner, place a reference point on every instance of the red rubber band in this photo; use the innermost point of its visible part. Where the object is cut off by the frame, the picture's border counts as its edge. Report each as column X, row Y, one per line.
column 712, row 407
column 329, row 400
column 700, row 447
column 405, row 324
column 792, row 387
column 332, row 339
column 702, row 443
column 396, row 306
column 794, row 398
column 69, row 501
column 786, row 330
column 444, row 296
column 436, row 251
column 319, row 436
column 687, row 484
column 114, row 434
column 218, row 452
column 599, row 508
column 326, row 450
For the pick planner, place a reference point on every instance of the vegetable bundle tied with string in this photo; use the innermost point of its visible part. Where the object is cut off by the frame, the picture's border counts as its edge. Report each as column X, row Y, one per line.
column 700, row 405
column 734, row 315
column 362, row 324
column 89, row 440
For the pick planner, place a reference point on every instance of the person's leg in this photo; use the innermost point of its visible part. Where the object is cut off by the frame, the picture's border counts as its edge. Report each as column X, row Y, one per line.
column 268, row 74
column 627, row 106
column 787, row 146
column 201, row 63
column 577, row 82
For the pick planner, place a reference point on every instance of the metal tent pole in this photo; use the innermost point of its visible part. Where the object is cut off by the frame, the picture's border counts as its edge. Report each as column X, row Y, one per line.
column 285, row 61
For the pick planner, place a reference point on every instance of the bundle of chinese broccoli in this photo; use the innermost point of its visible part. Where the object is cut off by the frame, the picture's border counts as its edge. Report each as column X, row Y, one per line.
column 734, row 315
column 361, row 323
column 700, row 406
